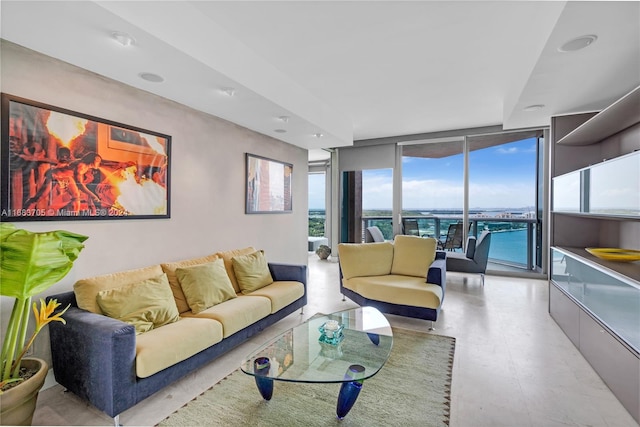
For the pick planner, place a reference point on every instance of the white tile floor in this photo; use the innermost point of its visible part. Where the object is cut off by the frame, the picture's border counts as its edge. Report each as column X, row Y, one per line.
column 513, row 365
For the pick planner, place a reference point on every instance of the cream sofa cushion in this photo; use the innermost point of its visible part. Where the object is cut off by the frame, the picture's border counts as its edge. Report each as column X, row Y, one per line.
column 227, row 256
column 412, row 255
column 281, row 293
column 86, row 290
column 205, row 285
column 395, row 289
column 237, row 313
column 170, row 269
column 365, row 259
column 252, row 271
column 164, row 347
column 146, row 305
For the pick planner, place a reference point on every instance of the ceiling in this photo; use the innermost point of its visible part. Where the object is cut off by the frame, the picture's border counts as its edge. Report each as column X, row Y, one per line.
column 349, row 70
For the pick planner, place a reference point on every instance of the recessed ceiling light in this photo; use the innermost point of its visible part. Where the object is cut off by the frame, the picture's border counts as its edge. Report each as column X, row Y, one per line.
column 318, row 135
column 229, row 91
column 534, row 107
column 150, row 77
column 578, row 43
column 280, row 130
column 123, row 38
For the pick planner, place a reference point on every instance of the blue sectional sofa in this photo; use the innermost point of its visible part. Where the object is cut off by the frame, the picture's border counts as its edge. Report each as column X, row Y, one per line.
column 406, row 277
column 106, row 362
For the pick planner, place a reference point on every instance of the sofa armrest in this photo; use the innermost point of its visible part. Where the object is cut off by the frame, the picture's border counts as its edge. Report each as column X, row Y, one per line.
column 289, row 272
column 64, row 299
column 94, row 357
column 437, row 273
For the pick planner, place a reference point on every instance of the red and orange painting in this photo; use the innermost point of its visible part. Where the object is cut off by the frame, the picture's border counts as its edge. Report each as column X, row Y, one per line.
column 62, row 165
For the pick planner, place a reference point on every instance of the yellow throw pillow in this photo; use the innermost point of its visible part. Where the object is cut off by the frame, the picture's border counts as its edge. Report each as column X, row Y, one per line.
column 170, row 269
column 228, row 264
column 412, row 255
column 146, row 305
column 251, row 271
column 86, row 290
column 205, row 285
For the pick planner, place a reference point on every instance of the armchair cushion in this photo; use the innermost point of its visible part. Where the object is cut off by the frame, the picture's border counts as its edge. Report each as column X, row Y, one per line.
column 412, row 255
column 365, row 259
column 397, row 289
column 145, row 305
column 205, row 285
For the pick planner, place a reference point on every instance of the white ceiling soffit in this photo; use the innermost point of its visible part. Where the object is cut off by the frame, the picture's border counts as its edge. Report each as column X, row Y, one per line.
column 584, row 80
column 350, row 69
column 194, row 55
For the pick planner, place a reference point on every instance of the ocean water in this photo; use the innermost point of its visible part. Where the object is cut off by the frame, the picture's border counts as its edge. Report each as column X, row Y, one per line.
column 506, row 245
column 509, row 246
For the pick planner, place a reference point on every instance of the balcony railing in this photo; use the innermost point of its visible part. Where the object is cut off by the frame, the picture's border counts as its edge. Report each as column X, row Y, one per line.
column 513, row 241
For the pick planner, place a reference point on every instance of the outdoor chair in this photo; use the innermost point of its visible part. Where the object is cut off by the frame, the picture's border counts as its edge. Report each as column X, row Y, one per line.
column 410, row 227
column 454, row 237
column 373, row 234
column 475, row 259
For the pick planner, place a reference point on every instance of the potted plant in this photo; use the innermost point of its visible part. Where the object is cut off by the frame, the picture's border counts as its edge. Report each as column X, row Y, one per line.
column 30, row 263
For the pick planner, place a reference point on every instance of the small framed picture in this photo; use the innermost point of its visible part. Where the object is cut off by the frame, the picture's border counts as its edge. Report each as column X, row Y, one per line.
column 268, row 188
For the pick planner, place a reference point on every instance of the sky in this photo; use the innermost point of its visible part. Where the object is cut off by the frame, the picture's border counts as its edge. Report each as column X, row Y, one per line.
column 499, row 177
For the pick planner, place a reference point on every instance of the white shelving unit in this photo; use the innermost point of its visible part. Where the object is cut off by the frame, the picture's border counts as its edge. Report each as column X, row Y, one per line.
column 618, row 116
column 597, row 302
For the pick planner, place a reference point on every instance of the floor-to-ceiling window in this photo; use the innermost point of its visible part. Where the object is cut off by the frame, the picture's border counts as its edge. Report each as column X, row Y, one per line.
column 433, row 185
column 485, row 181
column 502, row 197
column 366, row 190
column 502, row 191
column 317, row 204
column 377, row 200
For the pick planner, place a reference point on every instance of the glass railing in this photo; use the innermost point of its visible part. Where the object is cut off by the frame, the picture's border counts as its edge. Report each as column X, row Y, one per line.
column 513, row 240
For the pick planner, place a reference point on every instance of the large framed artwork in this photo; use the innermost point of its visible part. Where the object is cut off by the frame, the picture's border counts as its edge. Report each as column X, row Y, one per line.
column 63, row 165
column 268, row 185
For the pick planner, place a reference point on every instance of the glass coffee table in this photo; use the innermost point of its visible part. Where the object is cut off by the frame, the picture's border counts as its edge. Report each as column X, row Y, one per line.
column 347, row 347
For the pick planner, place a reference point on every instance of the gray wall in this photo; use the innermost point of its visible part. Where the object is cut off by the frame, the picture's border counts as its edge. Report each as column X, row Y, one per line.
column 207, row 177
column 362, row 158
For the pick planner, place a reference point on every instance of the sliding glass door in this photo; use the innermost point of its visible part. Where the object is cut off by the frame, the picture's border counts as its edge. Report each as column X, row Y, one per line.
column 433, row 186
column 502, row 198
column 502, row 192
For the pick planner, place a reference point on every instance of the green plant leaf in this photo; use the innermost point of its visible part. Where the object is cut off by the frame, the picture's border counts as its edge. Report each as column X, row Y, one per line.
column 32, row 262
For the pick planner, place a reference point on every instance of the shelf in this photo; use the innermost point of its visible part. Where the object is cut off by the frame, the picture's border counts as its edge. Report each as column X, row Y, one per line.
column 626, row 271
column 620, row 115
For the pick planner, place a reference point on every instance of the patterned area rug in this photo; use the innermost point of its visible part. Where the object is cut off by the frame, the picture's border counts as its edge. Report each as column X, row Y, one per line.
column 412, row 389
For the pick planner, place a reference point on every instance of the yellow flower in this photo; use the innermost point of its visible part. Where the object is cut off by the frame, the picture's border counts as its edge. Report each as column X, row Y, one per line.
column 44, row 315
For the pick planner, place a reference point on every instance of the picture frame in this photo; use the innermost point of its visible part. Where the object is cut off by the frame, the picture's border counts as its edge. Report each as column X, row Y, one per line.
column 62, row 165
column 268, row 185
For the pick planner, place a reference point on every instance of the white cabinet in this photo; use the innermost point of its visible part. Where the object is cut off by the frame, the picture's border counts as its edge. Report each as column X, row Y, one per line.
column 595, row 196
